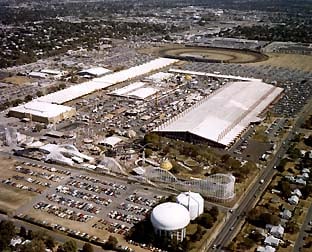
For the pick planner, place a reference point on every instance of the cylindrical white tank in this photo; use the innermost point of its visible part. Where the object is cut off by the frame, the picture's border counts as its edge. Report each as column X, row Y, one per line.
column 194, row 202
column 170, row 220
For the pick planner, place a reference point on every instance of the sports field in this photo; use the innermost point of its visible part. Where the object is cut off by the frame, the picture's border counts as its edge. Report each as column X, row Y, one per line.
column 291, row 61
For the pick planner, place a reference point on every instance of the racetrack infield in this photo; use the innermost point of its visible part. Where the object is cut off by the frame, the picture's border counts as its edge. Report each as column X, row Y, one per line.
column 208, row 54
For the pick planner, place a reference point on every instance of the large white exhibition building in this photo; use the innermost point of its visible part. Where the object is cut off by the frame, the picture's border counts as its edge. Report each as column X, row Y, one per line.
column 48, row 108
column 222, row 116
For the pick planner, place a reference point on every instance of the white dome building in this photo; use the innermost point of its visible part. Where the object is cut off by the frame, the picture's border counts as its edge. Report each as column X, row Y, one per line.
column 194, row 202
column 170, row 220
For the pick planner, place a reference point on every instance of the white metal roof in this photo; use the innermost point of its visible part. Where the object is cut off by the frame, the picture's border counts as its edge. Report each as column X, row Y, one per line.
column 143, row 93
column 96, row 71
column 222, row 116
column 139, row 90
column 88, row 87
column 128, row 88
column 112, row 140
column 37, row 75
column 42, row 109
column 51, row 71
column 157, row 77
column 170, row 216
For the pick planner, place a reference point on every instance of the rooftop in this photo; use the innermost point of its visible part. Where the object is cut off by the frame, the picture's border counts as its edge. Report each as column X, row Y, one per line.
column 170, row 216
column 222, row 116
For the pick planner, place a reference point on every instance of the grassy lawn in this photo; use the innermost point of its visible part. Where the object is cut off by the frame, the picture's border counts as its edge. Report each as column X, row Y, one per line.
column 291, row 237
column 260, row 134
column 208, row 233
column 287, row 249
column 291, row 61
column 12, row 198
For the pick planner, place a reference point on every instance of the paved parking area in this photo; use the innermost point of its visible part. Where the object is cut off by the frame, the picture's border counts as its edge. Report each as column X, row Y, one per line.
column 80, row 201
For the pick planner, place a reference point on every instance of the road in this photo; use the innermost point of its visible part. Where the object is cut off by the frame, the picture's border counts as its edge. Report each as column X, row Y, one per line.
column 299, row 242
column 250, row 199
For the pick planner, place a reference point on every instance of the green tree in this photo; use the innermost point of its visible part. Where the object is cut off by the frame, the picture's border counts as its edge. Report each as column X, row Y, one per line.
column 23, row 232
column 111, row 243
column 292, row 227
column 69, row 246
column 35, row 245
column 7, row 232
column 28, row 98
column 285, row 188
column 267, row 218
column 49, row 242
column 39, row 93
column 87, row 247
column 214, row 212
column 205, row 220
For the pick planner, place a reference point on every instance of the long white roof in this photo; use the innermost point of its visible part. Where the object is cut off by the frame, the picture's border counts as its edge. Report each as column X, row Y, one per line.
column 88, row 87
column 222, row 116
column 139, row 90
column 42, row 109
column 170, row 216
column 96, row 71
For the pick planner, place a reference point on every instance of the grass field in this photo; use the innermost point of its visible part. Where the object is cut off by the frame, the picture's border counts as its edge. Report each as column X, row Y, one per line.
column 291, row 61
column 12, row 198
column 17, row 80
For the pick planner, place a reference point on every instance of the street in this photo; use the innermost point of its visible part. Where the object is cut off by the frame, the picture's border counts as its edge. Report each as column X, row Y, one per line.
column 230, row 227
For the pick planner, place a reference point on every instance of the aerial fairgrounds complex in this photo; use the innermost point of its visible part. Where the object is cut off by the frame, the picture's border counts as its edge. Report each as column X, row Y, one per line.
column 217, row 119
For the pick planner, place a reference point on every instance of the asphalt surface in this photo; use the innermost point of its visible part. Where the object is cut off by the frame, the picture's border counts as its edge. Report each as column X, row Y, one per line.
column 250, row 199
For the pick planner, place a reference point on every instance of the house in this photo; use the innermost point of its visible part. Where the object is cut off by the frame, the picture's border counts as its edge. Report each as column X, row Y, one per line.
column 290, row 178
column 271, row 241
column 293, row 200
column 306, row 170
column 305, row 176
column 286, row 214
column 300, row 181
column 277, row 231
column 265, row 249
column 297, row 192
column 15, row 241
column 111, row 141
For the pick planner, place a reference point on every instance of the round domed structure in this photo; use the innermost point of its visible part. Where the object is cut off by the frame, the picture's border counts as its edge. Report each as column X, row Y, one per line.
column 194, row 202
column 170, row 220
column 166, row 165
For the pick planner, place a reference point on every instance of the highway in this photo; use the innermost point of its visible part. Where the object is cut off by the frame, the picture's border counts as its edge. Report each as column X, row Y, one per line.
column 231, row 226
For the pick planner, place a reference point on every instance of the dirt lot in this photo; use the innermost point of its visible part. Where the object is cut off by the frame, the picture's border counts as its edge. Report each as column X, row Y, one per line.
column 18, row 80
column 11, row 198
column 291, row 61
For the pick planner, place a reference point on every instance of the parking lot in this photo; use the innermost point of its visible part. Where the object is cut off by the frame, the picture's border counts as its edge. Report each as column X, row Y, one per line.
column 296, row 83
column 103, row 204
